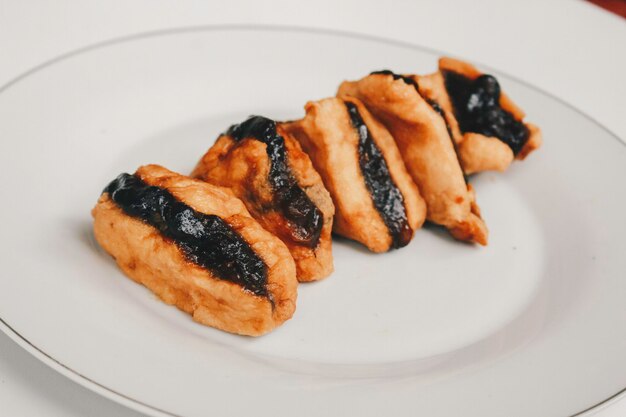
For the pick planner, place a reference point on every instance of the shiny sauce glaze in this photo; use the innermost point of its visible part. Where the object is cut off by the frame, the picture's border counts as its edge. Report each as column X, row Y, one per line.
column 477, row 108
column 387, row 198
column 304, row 219
column 204, row 239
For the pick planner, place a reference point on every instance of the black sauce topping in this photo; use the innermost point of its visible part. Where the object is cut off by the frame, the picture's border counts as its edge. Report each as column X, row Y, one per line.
column 477, row 107
column 387, row 198
column 304, row 218
column 204, row 239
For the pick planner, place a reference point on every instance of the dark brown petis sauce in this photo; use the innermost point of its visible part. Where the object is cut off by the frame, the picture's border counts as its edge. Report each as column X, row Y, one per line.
column 304, row 219
column 206, row 240
column 477, row 108
column 387, row 198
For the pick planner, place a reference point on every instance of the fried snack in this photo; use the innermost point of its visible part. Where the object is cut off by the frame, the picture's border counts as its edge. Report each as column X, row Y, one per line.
column 487, row 126
column 377, row 203
column 421, row 134
column 267, row 169
column 196, row 246
column 476, row 152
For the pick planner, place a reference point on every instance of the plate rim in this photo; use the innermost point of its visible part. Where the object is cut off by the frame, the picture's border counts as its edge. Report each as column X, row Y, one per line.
column 138, row 405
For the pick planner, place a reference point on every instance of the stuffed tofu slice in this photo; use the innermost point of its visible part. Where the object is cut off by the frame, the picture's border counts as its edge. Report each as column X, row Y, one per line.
column 196, row 247
column 422, row 135
column 376, row 201
column 267, row 169
column 488, row 127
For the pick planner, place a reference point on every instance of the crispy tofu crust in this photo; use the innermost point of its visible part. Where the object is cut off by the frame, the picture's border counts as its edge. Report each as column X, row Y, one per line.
column 427, row 150
column 479, row 152
column 148, row 258
column 244, row 167
column 330, row 140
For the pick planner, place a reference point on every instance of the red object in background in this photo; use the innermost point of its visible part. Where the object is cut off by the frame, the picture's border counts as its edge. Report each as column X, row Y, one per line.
column 616, row 6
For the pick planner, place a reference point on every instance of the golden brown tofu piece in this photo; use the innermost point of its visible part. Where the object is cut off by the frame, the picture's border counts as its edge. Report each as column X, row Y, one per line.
column 488, row 127
column 376, row 201
column 427, row 149
column 196, row 246
column 267, row 169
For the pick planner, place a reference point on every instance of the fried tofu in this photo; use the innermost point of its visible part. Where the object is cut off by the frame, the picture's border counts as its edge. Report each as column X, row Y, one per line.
column 488, row 127
column 267, row 169
column 196, row 246
column 376, row 201
column 427, row 149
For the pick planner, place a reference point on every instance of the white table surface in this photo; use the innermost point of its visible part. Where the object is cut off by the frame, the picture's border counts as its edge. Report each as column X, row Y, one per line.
column 571, row 49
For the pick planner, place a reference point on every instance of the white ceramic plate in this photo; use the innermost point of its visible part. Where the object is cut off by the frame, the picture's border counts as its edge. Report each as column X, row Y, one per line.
column 534, row 324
